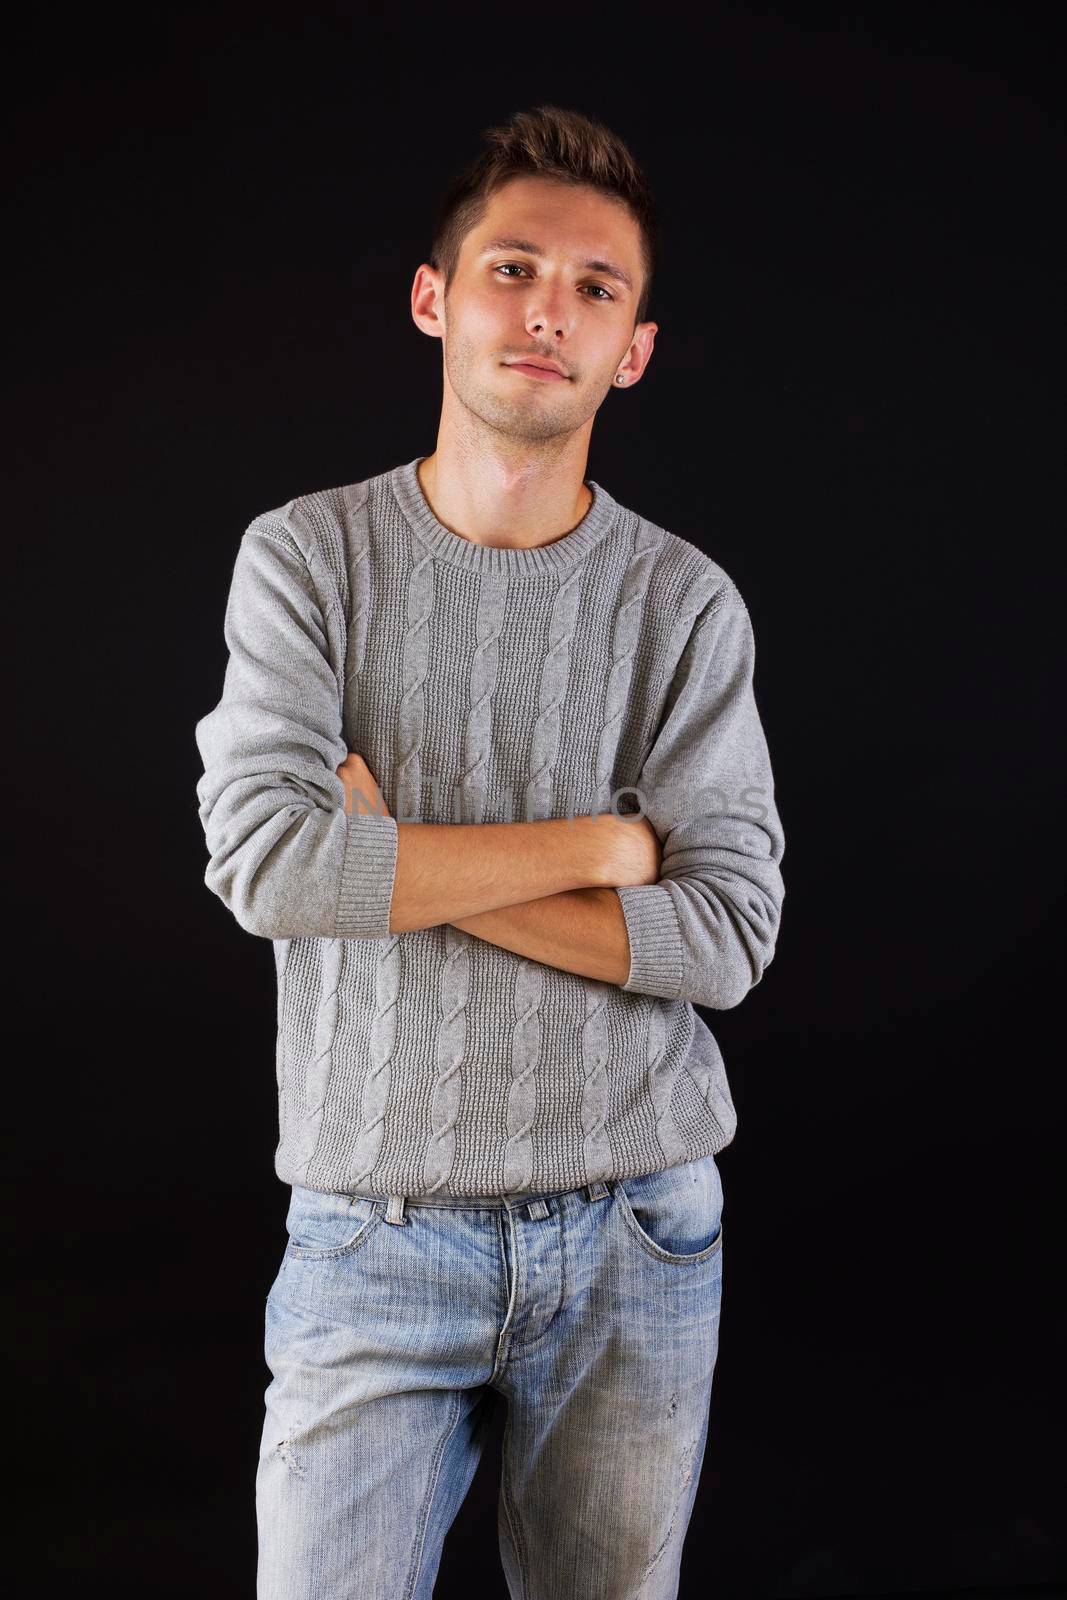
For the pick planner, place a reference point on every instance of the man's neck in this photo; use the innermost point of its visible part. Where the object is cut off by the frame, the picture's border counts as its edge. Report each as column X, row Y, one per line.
column 488, row 511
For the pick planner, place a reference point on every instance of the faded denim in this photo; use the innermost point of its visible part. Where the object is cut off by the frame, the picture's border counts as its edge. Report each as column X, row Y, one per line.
column 391, row 1321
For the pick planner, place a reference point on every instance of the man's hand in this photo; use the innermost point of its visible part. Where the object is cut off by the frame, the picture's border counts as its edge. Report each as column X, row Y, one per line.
column 360, row 783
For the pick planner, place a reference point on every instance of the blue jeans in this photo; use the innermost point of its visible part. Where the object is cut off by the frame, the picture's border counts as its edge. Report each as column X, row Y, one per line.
column 594, row 1313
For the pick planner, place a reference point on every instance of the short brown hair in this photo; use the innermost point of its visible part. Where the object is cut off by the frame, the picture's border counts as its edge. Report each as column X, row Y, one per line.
column 547, row 142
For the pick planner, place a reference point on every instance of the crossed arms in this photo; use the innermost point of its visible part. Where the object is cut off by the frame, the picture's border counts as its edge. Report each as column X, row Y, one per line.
column 594, row 895
column 562, row 872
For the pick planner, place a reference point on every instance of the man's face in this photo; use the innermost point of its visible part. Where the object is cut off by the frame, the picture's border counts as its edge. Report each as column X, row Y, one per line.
column 507, row 302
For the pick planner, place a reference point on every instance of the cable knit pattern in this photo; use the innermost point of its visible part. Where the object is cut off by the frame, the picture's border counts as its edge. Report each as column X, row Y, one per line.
column 522, row 1107
column 485, row 670
column 660, row 1084
column 451, row 1053
column 633, row 598
column 305, row 1140
column 378, row 1081
column 596, row 1088
column 554, row 672
column 484, row 682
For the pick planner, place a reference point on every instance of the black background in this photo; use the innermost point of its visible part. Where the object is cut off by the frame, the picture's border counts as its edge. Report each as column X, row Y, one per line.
column 854, row 406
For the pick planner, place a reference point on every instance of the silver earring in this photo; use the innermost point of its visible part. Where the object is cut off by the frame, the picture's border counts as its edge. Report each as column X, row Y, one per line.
column 619, row 377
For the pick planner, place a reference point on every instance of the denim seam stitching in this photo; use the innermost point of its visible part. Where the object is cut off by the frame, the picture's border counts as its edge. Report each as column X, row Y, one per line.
column 511, row 1510
column 420, row 1545
column 530, row 1345
column 504, row 1339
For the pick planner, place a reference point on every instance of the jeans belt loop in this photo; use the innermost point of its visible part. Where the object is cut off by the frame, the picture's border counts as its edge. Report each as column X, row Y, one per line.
column 394, row 1211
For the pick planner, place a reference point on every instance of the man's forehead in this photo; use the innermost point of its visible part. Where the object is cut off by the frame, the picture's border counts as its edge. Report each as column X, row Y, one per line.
column 529, row 229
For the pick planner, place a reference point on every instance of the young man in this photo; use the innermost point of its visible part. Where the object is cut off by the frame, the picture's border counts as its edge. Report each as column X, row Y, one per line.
column 489, row 772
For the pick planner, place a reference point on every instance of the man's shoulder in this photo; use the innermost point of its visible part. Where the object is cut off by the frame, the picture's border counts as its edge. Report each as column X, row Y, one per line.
column 313, row 511
column 320, row 524
column 693, row 578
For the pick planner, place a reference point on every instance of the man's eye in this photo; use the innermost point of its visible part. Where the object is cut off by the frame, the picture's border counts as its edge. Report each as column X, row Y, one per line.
column 505, row 264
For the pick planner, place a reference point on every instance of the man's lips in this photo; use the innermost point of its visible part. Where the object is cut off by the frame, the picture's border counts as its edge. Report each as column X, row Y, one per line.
column 530, row 371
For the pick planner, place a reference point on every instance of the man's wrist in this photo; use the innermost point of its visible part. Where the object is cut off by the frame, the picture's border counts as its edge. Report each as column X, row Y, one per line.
column 590, row 838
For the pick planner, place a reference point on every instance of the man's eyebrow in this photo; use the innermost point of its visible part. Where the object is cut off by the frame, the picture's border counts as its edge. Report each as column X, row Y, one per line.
column 611, row 269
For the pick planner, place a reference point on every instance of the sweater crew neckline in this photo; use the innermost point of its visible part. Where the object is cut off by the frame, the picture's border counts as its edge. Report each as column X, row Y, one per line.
column 453, row 547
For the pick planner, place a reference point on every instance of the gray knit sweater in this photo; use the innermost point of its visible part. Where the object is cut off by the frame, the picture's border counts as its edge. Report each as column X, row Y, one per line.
column 612, row 666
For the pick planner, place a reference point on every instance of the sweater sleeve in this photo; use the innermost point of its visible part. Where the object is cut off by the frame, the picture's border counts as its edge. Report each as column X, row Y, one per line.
column 706, row 931
column 285, row 856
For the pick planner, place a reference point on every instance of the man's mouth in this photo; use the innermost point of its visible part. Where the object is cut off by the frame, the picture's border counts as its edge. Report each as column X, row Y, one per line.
column 529, row 370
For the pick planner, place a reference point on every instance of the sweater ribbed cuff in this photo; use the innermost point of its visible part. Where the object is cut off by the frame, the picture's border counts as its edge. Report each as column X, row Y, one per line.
column 655, row 940
column 367, row 877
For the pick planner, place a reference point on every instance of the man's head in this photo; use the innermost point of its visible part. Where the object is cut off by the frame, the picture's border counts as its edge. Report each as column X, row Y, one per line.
column 545, row 248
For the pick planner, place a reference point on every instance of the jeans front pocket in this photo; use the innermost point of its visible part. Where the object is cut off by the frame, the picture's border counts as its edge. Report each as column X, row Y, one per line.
column 321, row 1226
column 674, row 1215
